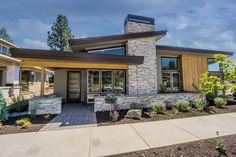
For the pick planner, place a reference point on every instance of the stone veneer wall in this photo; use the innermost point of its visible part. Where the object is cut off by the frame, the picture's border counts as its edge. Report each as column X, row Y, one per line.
column 142, row 79
column 45, row 105
column 123, row 102
column 133, row 27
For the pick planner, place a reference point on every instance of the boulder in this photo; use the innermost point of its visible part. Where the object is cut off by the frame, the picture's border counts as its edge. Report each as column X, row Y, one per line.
column 134, row 114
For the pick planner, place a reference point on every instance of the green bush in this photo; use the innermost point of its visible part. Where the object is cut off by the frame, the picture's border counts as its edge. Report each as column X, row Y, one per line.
column 20, row 122
column 3, row 109
column 158, row 107
column 136, row 106
column 183, row 106
column 201, row 104
column 220, row 102
column 234, row 90
column 19, row 105
column 110, row 99
column 221, row 147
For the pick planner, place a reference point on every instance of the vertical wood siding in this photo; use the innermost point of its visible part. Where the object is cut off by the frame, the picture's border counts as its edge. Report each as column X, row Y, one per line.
column 192, row 66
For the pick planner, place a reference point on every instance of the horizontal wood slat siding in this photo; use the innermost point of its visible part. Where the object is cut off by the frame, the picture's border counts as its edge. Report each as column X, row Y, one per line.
column 66, row 64
column 192, row 66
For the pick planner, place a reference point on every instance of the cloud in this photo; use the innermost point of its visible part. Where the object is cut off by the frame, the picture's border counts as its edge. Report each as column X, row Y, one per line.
column 35, row 44
column 190, row 23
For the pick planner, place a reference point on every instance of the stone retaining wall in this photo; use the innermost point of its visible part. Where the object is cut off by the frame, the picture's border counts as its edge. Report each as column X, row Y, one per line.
column 124, row 102
column 45, row 105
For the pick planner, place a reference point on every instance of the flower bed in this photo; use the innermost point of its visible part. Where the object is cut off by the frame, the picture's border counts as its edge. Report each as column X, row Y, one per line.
column 103, row 118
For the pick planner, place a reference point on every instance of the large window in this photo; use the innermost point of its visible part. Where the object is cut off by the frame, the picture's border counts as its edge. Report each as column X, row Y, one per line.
column 93, row 81
column 169, row 63
column 105, row 81
column 111, row 51
column 170, row 73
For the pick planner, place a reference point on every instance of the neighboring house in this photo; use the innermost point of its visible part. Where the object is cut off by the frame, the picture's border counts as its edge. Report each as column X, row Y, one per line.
column 9, row 70
column 13, row 77
column 125, row 64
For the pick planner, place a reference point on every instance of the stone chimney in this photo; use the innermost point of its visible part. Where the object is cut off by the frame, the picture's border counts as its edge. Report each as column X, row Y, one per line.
column 141, row 79
column 135, row 23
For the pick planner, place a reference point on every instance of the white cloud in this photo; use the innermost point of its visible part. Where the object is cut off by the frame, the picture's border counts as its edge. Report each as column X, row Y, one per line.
column 36, row 44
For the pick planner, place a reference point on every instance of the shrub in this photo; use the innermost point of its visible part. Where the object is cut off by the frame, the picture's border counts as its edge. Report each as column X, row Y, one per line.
column 158, row 107
column 20, row 122
column 136, row 106
column 221, row 146
column 234, row 90
column 26, row 125
column 201, row 104
column 3, row 109
column 220, row 102
column 162, row 89
column 110, row 99
column 183, row 106
column 114, row 115
column 19, row 104
column 46, row 116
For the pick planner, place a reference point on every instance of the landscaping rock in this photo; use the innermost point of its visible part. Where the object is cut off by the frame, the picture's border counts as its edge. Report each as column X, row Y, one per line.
column 134, row 114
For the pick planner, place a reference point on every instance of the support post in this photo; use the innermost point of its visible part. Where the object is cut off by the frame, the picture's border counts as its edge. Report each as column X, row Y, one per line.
column 42, row 81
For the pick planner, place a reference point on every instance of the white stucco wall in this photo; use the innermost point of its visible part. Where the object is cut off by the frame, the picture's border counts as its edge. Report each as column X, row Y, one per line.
column 60, row 83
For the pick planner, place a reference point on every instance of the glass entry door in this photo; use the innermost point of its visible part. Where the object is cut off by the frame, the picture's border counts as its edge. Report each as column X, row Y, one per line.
column 74, row 86
column 171, row 81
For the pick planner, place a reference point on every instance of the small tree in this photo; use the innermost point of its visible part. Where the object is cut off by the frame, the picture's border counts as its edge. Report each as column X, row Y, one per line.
column 4, row 35
column 3, row 109
column 61, row 33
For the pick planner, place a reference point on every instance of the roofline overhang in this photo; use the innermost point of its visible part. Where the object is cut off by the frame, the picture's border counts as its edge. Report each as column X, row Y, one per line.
column 84, row 43
column 35, row 54
column 193, row 50
column 9, row 43
column 10, row 59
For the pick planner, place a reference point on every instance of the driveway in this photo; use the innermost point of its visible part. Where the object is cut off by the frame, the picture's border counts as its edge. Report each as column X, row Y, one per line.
column 108, row 140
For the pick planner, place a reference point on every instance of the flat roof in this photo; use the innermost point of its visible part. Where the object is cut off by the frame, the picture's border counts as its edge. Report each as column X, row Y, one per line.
column 84, row 43
column 75, row 56
column 196, row 50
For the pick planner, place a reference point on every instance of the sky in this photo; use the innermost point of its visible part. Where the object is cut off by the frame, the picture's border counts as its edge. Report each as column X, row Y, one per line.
column 208, row 24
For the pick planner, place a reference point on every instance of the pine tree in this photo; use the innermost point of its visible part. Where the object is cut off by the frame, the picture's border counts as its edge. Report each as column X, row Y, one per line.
column 60, row 34
column 3, row 108
column 4, row 35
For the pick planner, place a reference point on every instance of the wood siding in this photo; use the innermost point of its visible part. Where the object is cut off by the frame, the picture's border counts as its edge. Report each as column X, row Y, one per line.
column 192, row 66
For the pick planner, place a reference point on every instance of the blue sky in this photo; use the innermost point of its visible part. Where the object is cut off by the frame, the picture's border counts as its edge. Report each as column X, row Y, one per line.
column 206, row 24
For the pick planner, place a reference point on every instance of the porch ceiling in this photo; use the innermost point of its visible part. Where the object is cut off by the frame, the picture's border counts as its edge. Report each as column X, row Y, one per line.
column 71, row 64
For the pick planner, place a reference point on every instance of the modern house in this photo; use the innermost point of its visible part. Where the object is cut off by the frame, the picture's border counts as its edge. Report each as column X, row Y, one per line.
column 126, row 64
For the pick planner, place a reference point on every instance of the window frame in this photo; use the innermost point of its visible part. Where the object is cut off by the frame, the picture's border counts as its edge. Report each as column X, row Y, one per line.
column 110, row 48
column 171, row 72
column 100, row 81
column 220, row 70
column 6, row 49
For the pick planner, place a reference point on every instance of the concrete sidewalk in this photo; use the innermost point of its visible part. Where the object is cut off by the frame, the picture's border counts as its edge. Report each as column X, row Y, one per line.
column 108, row 140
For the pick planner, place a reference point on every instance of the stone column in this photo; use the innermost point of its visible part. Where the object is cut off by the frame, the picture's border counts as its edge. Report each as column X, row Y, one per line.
column 141, row 79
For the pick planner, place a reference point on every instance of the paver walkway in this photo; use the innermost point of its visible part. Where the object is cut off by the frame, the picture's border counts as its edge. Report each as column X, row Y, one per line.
column 108, row 140
column 74, row 115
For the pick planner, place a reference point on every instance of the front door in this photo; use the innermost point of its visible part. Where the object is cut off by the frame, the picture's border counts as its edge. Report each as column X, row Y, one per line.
column 74, row 85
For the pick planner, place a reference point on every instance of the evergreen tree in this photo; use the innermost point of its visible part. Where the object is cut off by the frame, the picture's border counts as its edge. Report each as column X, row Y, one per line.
column 3, row 108
column 4, row 35
column 60, row 34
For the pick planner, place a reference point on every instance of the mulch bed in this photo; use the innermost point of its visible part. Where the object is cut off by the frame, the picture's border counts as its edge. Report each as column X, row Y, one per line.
column 9, row 126
column 103, row 118
column 191, row 149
